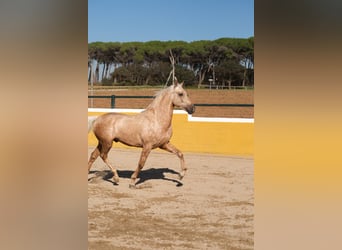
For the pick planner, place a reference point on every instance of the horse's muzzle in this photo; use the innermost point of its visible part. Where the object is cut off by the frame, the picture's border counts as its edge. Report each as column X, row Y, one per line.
column 190, row 109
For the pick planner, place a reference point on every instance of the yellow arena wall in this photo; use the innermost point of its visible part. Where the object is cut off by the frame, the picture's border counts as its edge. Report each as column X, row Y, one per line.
column 229, row 136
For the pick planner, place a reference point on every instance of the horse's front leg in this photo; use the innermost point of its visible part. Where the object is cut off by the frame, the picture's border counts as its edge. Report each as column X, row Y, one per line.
column 143, row 157
column 172, row 149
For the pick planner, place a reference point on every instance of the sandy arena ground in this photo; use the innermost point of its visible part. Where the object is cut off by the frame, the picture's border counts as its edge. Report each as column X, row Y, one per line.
column 211, row 208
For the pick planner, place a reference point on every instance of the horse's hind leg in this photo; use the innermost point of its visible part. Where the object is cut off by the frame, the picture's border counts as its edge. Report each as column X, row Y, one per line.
column 172, row 149
column 94, row 156
column 106, row 146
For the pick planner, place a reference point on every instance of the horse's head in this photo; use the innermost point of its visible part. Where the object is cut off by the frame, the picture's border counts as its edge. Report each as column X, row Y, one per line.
column 181, row 99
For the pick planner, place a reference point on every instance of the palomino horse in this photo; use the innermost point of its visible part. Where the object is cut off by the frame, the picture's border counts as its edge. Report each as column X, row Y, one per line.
column 149, row 129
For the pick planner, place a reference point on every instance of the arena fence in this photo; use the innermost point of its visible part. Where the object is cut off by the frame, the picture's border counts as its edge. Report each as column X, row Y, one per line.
column 114, row 97
column 229, row 136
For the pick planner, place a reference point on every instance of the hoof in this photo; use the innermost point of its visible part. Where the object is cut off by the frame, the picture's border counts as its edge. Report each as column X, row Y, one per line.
column 116, row 179
column 132, row 186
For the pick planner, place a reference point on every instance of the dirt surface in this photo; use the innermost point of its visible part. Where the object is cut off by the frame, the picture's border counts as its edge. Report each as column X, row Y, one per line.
column 196, row 95
column 210, row 208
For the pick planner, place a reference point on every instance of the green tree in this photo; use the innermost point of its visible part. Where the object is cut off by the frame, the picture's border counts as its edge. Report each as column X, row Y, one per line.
column 225, row 60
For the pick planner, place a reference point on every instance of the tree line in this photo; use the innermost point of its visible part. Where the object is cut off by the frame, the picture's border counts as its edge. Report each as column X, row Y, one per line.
column 223, row 62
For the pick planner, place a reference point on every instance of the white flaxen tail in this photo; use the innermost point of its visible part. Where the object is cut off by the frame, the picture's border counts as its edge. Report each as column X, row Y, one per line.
column 91, row 120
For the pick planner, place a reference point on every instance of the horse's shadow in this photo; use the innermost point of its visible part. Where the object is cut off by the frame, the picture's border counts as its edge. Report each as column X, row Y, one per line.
column 144, row 175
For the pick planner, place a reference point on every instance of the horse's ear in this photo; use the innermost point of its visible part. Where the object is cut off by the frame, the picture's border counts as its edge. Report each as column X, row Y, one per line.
column 177, row 83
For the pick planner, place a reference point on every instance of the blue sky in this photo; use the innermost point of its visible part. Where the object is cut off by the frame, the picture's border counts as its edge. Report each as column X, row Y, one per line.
column 186, row 20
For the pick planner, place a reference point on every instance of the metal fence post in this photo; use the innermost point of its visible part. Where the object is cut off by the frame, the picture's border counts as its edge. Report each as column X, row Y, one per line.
column 112, row 101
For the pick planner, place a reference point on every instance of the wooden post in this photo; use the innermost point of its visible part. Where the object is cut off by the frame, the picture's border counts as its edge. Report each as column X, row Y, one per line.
column 172, row 72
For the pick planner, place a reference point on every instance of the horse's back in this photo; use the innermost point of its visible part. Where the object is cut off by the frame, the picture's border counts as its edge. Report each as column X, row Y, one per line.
column 110, row 116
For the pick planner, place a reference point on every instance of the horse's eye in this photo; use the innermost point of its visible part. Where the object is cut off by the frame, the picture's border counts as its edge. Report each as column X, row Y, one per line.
column 180, row 94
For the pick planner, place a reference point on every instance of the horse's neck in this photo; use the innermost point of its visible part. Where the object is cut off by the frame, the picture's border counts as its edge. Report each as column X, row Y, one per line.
column 162, row 109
